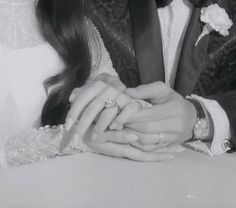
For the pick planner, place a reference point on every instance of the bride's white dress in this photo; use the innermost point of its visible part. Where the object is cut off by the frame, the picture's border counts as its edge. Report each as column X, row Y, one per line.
column 26, row 61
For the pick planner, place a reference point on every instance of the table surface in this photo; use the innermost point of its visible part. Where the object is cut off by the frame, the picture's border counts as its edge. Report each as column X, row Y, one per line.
column 94, row 181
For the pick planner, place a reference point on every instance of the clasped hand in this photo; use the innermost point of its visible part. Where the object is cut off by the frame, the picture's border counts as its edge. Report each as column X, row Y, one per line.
column 133, row 128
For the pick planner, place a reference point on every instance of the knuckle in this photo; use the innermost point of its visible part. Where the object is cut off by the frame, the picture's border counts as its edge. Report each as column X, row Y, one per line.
column 100, row 83
column 160, row 84
column 118, row 85
column 146, row 148
column 143, row 141
column 110, row 90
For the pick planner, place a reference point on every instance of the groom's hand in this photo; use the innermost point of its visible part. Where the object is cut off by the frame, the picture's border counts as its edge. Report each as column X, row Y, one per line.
column 118, row 148
column 171, row 117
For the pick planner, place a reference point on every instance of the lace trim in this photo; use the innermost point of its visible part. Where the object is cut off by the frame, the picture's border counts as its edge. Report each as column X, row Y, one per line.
column 95, row 41
column 101, row 60
column 37, row 145
column 18, row 24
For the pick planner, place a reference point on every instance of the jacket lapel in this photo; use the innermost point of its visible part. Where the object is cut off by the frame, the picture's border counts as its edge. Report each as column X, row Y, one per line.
column 147, row 40
column 192, row 58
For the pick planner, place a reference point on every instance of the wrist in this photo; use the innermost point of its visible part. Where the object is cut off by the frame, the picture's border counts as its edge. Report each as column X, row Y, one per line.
column 202, row 129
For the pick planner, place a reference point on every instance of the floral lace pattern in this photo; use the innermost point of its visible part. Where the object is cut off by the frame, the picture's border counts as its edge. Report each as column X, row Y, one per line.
column 37, row 145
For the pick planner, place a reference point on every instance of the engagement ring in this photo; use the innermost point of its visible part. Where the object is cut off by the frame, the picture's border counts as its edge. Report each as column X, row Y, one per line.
column 110, row 103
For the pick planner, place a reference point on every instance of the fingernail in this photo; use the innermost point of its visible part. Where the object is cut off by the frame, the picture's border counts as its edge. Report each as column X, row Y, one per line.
column 75, row 139
column 69, row 124
column 116, row 126
column 94, row 137
column 132, row 137
column 72, row 97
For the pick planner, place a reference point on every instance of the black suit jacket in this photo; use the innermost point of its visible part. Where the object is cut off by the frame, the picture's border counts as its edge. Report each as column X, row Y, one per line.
column 131, row 31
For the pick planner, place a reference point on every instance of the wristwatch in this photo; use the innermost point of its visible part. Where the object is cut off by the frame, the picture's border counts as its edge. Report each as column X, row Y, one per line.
column 201, row 129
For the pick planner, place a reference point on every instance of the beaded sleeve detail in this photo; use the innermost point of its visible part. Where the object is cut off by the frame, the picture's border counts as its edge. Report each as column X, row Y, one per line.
column 36, row 145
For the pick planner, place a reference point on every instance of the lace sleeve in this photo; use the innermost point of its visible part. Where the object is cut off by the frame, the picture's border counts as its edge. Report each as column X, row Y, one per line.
column 37, row 145
column 101, row 61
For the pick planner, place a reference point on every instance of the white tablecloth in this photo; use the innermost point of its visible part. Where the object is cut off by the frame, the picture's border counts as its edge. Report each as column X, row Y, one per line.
column 191, row 180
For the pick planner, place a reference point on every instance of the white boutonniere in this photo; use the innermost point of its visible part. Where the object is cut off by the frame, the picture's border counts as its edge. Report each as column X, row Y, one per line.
column 216, row 18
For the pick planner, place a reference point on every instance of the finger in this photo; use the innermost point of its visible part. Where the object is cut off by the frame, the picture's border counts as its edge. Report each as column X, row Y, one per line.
column 123, row 117
column 105, row 119
column 146, row 139
column 150, row 91
column 83, row 100
column 121, row 137
column 128, row 136
column 118, row 85
column 154, row 113
column 172, row 125
column 147, row 148
column 94, row 108
column 77, row 91
column 126, row 151
column 160, row 139
column 74, row 94
column 123, row 100
column 175, row 148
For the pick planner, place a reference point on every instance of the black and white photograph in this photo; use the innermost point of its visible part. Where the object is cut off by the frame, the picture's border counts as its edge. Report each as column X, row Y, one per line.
column 117, row 103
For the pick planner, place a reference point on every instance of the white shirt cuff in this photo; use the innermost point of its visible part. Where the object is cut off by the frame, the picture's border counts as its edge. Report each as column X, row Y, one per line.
column 221, row 125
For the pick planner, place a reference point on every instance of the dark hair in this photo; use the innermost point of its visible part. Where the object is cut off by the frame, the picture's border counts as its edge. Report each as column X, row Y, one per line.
column 64, row 26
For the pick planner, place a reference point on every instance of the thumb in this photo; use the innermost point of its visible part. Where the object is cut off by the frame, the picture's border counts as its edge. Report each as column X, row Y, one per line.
column 151, row 91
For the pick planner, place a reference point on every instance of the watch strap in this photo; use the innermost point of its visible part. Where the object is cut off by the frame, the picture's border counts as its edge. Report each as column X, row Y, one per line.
column 199, row 109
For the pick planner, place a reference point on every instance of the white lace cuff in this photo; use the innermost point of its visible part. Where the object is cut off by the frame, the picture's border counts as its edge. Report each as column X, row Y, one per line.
column 221, row 125
column 35, row 145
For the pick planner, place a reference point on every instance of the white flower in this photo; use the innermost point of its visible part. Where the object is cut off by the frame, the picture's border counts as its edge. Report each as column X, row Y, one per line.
column 216, row 19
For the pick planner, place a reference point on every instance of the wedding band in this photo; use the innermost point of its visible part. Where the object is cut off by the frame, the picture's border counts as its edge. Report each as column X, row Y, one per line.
column 110, row 103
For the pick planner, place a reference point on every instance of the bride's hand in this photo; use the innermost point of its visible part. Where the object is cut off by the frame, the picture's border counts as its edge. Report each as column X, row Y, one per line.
column 90, row 101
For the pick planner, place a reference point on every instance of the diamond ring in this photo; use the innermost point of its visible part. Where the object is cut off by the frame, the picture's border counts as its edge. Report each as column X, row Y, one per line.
column 110, row 103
